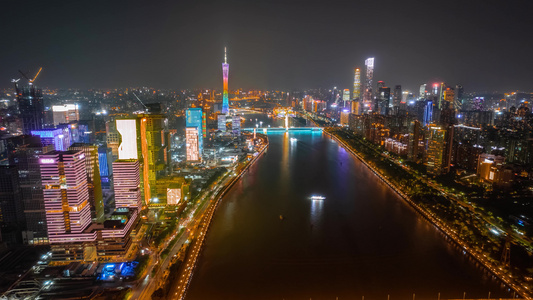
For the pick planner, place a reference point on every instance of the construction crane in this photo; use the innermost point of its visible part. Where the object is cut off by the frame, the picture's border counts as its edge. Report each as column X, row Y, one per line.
column 145, row 108
column 30, row 81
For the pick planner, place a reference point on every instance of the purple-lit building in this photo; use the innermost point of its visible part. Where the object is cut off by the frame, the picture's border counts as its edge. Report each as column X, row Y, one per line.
column 59, row 137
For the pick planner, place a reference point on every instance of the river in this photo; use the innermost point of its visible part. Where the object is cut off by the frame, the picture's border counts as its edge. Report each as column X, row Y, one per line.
column 362, row 240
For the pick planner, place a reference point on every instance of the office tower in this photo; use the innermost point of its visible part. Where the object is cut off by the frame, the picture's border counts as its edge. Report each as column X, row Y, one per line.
column 414, row 137
column 345, row 97
column 194, row 118
column 192, row 143
column 436, row 137
column 236, row 125
column 345, row 114
column 94, row 183
column 225, row 73
column 380, row 84
column 105, row 160
column 66, row 195
column 428, row 113
column 31, row 107
column 127, row 184
column 65, row 113
column 11, row 210
column 154, row 139
column 383, row 99
column 357, row 85
column 221, row 120
column 459, row 97
column 31, row 189
column 127, row 128
column 422, row 91
column 397, row 98
column 368, row 95
column 59, row 137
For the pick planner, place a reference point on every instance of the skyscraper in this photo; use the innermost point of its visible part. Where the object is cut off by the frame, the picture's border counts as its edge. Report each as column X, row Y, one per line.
column 367, row 96
column 66, row 197
column 191, row 141
column 435, row 149
column 194, row 118
column 94, row 182
column 357, row 85
column 397, row 98
column 32, row 191
column 225, row 73
column 31, row 107
column 127, row 184
column 422, row 91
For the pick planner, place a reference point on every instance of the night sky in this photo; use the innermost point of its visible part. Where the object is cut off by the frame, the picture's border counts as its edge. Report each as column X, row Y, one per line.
column 483, row 45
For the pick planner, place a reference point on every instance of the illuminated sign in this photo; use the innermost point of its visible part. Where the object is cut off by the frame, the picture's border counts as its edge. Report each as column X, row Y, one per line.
column 47, row 160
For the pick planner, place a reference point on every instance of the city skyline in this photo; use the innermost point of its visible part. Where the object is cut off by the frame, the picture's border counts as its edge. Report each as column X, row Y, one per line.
column 286, row 46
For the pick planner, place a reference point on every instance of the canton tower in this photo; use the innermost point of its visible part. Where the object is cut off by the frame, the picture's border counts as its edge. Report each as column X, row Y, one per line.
column 225, row 72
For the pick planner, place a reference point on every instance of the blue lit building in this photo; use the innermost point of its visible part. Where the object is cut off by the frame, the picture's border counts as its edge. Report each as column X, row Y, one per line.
column 59, row 137
column 105, row 171
column 193, row 118
column 428, row 113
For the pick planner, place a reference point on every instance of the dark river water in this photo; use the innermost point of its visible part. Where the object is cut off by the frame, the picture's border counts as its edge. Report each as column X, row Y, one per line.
column 361, row 241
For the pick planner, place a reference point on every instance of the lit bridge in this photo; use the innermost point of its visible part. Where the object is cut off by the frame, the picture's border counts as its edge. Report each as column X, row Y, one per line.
column 278, row 129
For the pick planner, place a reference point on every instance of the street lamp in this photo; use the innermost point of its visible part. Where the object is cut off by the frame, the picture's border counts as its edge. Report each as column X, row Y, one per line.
column 261, row 122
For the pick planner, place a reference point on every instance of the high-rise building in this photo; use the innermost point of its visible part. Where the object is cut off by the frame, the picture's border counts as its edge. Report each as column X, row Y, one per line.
column 436, row 136
column 105, row 160
column 31, row 189
column 236, row 124
column 65, row 113
column 192, row 144
column 428, row 113
column 397, row 98
column 459, row 97
column 225, row 74
column 357, row 85
column 422, row 91
column 66, row 197
column 368, row 94
column 146, row 138
column 127, row 184
column 221, row 121
column 11, row 210
column 128, row 148
column 94, row 183
column 31, row 108
column 194, row 118
column 414, row 138
column 383, row 100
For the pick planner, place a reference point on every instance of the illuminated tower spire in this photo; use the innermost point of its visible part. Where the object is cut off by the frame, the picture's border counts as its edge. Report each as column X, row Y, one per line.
column 225, row 73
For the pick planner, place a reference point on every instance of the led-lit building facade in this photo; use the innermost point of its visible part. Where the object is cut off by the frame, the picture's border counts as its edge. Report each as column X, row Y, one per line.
column 146, row 138
column 65, row 113
column 192, row 144
column 225, row 74
column 94, row 183
column 66, row 201
column 127, row 149
column 59, row 137
column 356, row 96
column 194, row 118
column 127, row 184
column 368, row 92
